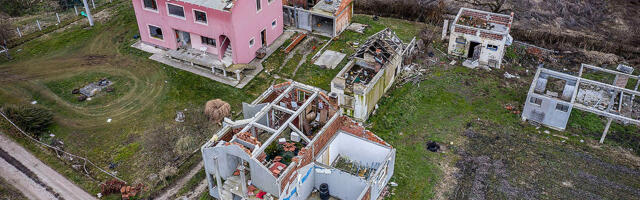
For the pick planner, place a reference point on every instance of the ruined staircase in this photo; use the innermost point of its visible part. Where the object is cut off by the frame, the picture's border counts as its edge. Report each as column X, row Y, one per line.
column 227, row 58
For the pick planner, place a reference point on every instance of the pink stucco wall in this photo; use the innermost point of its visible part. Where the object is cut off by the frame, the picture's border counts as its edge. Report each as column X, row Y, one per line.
column 240, row 25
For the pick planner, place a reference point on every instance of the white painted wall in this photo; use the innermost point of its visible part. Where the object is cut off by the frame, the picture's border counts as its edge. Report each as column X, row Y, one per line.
column 356, row 149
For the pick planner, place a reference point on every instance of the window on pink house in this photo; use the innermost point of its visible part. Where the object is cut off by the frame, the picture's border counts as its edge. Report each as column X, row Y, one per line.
column 155, row 32
column 258, row 5
column 175, row 10
column 200, row 16
column 208, row 41
column 150, row 4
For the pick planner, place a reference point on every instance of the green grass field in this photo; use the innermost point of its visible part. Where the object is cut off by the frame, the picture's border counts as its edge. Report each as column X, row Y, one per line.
column 451, row 102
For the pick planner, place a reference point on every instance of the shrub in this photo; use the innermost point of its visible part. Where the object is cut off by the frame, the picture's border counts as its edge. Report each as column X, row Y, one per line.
column 32, row 119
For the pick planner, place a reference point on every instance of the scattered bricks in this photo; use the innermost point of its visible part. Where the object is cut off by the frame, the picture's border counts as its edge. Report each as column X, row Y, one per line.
column 247, row 137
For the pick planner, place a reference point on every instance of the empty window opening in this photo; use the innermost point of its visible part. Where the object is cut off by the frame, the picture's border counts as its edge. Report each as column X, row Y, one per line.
column 562, row 107
column 536, row 101
column 492, row 47
column 200, row 16
column 150, row 4
column 274, row 23
column 252, row 42
column 175, row 10
column 155, row 32
column 258, row 5
column 208, row 41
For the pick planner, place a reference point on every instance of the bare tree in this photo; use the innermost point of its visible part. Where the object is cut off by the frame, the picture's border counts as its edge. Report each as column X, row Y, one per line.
column 496, row 6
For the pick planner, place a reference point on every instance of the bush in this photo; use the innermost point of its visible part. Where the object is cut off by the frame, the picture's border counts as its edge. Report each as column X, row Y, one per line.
column 34, row 120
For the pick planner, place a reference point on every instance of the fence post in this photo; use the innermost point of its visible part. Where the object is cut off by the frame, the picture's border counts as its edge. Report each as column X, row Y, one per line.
column 76, row 9
column 93, row 3
column 19, row 33
column 58, row 16
column 38, row 22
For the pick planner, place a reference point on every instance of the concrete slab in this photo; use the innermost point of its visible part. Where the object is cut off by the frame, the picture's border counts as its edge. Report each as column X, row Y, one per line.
column 330, row 59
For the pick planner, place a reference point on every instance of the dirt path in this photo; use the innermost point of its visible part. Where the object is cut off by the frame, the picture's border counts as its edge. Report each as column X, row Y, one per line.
column 169, row 193
column 58, row 183
column 195, row 194
column 29, row 188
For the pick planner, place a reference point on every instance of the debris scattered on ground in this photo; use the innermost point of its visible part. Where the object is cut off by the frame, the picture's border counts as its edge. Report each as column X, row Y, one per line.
column 179, row 116
column 433, row 146
column 412, row 74
column 115, row 186
column 216, row 110
column 510, row 76
column 82, row 97
column 92, row 88
column 453, row 62
column 109, row 120
column 34, row 102
column 295, row 42
column 357, row 27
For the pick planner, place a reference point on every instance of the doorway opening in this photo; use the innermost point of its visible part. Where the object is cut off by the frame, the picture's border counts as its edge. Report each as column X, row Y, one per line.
column 263, row 37
column 474, row 51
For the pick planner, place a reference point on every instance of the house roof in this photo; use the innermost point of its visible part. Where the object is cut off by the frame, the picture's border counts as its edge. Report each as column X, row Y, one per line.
column 222, row 5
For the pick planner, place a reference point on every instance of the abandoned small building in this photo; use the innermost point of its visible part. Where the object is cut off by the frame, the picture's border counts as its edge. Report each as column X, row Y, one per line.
column 369, row 75
column 294, row 143
column 324, row 17
column 553, row 95
column 481, row 37
column 216, row 36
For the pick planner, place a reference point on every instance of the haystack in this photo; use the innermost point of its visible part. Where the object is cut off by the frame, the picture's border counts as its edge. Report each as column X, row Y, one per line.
column 216, row 110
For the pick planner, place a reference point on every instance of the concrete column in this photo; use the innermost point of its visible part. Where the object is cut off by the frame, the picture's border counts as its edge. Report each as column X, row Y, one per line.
column 444, row 29
column 606, row 129
column 86, row 9
column 243, row 180
column 58, row 16
column 218, row 180
column 19, row 33
column 238, row 75
column 75, row 9
column 38, row 22
column 224, row 72
column 93, row 3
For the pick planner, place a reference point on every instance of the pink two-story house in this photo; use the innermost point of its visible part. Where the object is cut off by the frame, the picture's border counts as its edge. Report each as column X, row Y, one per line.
column 231, row 29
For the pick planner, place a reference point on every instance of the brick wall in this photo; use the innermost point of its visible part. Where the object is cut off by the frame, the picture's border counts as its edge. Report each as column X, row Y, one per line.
column 465, row 30
column 474, row 14
column 500, row 20
column 367, row 196
column 491, row 36
column 327, row 135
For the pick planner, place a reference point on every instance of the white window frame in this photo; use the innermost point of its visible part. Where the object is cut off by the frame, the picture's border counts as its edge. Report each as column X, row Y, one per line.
column 274, row 23
column 149, row 9
column 156, row 27
column 257, row 11
column 205, row 44
column 205, row 16
column 252, row 40
column 176, row 16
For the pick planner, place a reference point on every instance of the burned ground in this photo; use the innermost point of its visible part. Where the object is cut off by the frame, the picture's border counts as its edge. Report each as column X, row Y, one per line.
column 500, row 162
column 604, row 26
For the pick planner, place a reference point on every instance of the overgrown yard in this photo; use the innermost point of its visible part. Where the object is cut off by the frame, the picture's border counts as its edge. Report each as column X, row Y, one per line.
column 487, row 152
column 141, row 136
